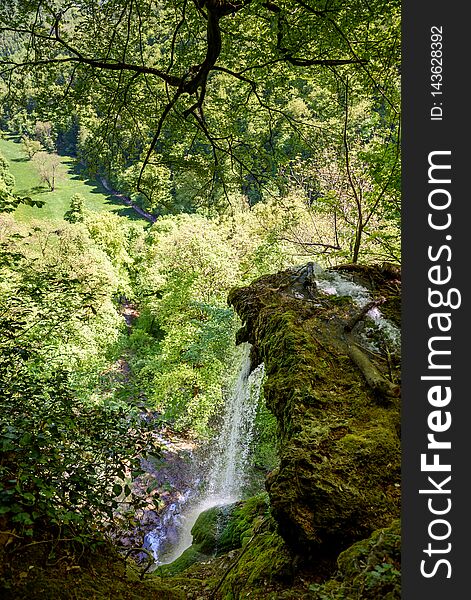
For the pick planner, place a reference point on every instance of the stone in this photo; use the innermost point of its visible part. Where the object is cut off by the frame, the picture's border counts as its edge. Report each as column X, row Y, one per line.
column 339, row 469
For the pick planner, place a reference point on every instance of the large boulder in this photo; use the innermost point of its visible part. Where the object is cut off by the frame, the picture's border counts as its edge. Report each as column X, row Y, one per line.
column 332, row 381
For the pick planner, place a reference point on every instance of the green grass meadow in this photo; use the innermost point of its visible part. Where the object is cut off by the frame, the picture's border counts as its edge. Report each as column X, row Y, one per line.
column 57, row 203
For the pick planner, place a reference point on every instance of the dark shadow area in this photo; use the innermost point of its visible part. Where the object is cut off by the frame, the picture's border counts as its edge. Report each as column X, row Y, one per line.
column 39, row 189
column 29, row 191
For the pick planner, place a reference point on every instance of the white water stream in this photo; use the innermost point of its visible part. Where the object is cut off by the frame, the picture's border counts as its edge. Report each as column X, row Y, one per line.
column 334, row 283
column 228, row 463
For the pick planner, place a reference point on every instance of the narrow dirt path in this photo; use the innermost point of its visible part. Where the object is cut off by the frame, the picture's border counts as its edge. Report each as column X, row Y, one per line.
column 128, row 201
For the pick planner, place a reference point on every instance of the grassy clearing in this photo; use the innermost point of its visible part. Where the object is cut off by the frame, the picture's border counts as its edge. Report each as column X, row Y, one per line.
column 57, row 202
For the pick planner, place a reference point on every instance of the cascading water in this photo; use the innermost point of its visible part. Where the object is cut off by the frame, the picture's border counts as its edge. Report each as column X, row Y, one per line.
column 228, row 465
column 333, row 283
column 228, row 472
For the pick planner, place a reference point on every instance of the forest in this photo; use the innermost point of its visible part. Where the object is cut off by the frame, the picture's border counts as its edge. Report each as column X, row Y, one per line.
column 200, row 211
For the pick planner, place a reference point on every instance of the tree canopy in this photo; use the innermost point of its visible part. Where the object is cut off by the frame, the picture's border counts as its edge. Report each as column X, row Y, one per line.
column 207, row 82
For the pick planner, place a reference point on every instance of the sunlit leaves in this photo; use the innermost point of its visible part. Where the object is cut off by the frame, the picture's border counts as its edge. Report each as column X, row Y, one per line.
column 128, row 62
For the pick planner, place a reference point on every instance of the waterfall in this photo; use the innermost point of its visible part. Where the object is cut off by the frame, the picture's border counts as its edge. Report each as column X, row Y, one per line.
column 228, row 463
column 231, row 452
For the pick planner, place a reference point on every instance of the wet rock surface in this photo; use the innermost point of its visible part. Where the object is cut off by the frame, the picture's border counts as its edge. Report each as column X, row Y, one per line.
column 170, row 479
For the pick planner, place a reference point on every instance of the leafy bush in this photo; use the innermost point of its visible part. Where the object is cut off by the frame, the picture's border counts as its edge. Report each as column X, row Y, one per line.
column 63, row 461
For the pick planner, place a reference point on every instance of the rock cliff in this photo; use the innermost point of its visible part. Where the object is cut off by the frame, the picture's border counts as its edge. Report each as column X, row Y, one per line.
column 332, row 381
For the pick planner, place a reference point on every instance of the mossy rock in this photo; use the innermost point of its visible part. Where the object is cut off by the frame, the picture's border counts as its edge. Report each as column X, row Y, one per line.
column 368, row 570
column 218, row 530
column 189, row 557
column 338, row 477
column 209, row 526
column 205, row 532
column 263, row 560
column 246, row 516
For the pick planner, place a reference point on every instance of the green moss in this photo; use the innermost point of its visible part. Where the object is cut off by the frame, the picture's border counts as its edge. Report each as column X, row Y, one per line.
column 339, row 470
column 245, row 518
column 208, row 526
column 206, row 534
column 189, row 557
column 368, row 570
column 218, row 530
column 329, row 480
column 375, row 448
column 258, row 552
column 264, row 559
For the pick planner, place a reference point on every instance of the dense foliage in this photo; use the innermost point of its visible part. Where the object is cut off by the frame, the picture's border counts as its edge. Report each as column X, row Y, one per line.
column 72, row 427
column 251, row 135
column 186, row 105
column 64, row 450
